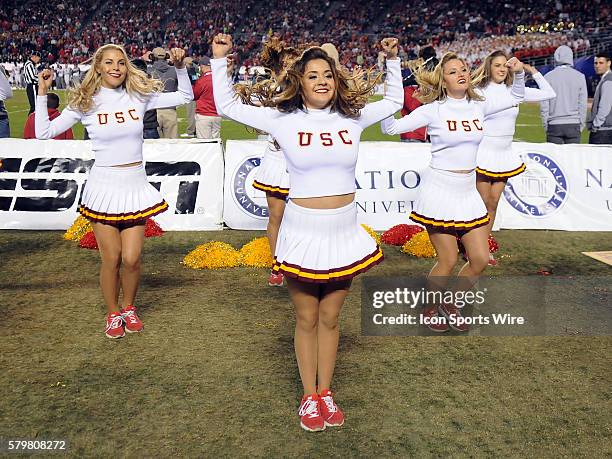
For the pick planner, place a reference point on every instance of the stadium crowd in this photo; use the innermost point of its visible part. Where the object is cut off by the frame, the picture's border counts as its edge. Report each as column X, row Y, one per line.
column 69, row 32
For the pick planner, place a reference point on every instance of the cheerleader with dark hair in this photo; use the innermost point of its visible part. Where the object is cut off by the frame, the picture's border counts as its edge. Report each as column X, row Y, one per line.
column 317, row 120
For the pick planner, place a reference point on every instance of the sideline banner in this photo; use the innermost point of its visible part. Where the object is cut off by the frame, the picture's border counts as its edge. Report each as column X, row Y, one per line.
column 41, row 182
column 565, row 187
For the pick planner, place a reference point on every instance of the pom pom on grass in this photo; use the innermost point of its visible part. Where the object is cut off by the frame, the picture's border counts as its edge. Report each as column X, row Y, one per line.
column 257, row 253
column 213, row 255
column 400, row 234
column 420, row 246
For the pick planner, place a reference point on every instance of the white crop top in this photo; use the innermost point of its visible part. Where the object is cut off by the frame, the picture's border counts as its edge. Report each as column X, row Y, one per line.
column 320, row 146
column 114, row 124
column 455, row 126
column 502, row 123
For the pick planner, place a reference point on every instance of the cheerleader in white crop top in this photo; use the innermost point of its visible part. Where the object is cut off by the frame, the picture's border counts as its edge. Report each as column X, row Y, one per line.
column 117, row 198
column 448, row 204
column 317, row 120
column 496, row 162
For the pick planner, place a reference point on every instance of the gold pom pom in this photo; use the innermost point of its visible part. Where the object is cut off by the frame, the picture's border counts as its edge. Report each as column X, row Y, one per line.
column 79, row 228
column 213, row 255
column 420, row 246
column 257, row 253
column 372, row 233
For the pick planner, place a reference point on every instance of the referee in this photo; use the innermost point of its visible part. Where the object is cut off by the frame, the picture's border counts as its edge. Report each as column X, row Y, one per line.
column 30, row 77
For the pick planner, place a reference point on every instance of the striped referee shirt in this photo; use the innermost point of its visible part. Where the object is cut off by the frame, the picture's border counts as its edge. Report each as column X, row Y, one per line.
column 30, row 75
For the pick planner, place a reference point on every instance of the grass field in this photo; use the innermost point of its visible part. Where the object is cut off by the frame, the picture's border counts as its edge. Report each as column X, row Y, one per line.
column 528, row 128
column 214, row 374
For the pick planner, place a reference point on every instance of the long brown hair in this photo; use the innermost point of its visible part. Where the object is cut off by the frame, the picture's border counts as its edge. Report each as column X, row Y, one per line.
column 483, row 75
column 285, row 93
column 431, row 82
column 136, row 81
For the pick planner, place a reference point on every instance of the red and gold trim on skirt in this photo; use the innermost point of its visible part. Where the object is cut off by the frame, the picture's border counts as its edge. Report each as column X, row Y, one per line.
column 501, row 175
column 321, row 276
column 272, row 190
column 125, row 218
column 450, row 224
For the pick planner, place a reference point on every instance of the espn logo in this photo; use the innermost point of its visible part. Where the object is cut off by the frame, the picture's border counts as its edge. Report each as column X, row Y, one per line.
column 32, row 188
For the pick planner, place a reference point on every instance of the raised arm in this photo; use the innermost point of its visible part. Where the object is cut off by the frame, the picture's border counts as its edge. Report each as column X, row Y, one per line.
column 228, row 105
column 184, row 95
column 517, row 92
column 393, row 99
column 544, row 91
column 44, row 128
column 422, row 116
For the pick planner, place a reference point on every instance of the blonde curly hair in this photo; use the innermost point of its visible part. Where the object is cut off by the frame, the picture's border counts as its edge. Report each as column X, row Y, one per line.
column 431, row 83
column 136, row 81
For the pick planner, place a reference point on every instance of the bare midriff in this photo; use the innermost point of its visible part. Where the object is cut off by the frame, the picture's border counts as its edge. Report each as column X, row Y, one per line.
column 325, row 202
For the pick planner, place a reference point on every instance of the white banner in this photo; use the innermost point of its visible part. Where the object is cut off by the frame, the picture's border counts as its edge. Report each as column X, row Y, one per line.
column 244, row 206
column 565, row 187
column 41, row 182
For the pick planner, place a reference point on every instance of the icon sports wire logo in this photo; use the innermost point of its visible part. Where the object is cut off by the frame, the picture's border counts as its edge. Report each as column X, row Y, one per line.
column 539, row 191
column 56, row 184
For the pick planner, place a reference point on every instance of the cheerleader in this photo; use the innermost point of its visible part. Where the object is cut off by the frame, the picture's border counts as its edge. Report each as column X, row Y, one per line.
column 117, row 199
column 448, row 204
column 496, row 162
column 317, row 121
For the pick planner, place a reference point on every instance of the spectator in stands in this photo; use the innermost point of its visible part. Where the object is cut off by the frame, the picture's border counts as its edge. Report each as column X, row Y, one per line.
column 30, row 76
column 600, row 123
column 411, row 103
column 5, row 93
column 166, row 117
column 208, row 121
column 150, row 127
column 53, row 102
column 565, row 116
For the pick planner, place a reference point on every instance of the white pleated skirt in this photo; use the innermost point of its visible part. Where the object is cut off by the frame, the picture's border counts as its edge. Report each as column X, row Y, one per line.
column 496, row 160
column 449, row 201
column 120, row 196
column 271, row 175
column 323, row 245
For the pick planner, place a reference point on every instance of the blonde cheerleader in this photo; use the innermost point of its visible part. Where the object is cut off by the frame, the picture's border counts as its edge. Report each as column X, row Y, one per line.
column 111, row 103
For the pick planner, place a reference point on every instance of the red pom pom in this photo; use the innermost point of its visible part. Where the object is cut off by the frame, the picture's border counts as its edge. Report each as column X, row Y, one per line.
column 400, row 234
column 493, row 245
column 89, row 241
column 152, row 229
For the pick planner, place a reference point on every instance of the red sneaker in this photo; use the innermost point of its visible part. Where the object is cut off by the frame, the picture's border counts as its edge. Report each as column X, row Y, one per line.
column 332, row 415
column 310, row 415
column 433, row 321
column 276, row 280
column 114, row 326
column 492, row 260
column 132, row 323
column 455, row 319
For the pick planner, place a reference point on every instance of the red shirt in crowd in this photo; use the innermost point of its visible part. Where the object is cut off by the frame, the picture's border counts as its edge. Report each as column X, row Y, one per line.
column 30, row 133
column 203, row 95
column 410, row 105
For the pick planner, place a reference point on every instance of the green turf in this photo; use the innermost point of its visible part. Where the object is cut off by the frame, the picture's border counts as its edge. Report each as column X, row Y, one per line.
column 214, row 375
column 529, row 127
